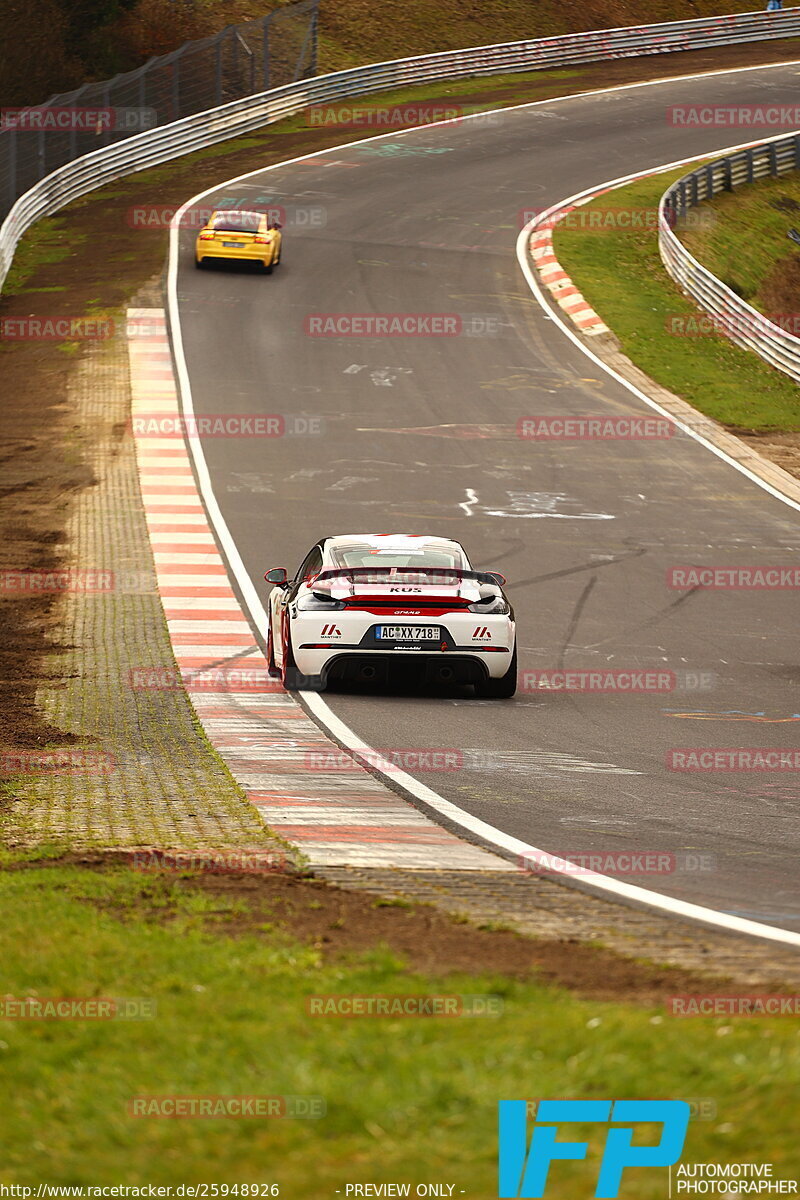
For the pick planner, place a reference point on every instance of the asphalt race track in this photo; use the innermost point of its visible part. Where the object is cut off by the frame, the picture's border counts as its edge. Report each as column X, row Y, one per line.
column 419, row 435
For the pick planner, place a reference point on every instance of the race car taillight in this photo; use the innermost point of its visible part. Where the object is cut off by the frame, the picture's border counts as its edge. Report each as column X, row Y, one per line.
column 318, row 602
column 206, row 235
column 495, row 606
column 264, row 240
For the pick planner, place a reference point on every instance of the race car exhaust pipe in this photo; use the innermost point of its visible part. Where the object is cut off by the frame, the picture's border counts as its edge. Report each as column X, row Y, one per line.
column 446, row 674
column 368, row 673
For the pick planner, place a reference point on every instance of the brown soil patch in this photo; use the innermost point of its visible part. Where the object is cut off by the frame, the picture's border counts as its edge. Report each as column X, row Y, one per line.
column 39, row 477
column 342, row 924
column 780, row 291
column 40, row 441
column 780, row 448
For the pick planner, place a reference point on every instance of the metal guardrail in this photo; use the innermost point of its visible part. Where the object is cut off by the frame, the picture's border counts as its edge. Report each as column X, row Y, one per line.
column 204, row 129
column 730, row 314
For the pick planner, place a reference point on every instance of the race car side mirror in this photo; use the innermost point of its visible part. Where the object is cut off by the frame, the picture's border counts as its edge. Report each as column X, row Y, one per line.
column 497, row 577
column 276, row 225
column 277, row 576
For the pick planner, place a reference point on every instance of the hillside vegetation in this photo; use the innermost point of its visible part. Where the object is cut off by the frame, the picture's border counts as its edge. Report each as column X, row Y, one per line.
column 54, row 45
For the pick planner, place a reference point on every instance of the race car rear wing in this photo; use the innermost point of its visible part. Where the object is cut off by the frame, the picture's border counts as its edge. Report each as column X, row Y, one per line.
column 437, row 574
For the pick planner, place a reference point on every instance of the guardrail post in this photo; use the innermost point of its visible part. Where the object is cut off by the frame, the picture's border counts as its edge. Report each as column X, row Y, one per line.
column 728, row 176
column 176, row 86
column 314, row 40
column 265, row 50
column 106, row 135
column 73, row 133
column 751, row 165
column 773, row 159
column 695, row 185
column 11, row 136
column 298, row 70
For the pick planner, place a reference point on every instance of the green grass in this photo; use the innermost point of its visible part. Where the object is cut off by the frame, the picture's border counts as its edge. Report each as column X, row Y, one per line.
column 409, row 1099
column 619, row 272
column 48, row 241
column 747, row 237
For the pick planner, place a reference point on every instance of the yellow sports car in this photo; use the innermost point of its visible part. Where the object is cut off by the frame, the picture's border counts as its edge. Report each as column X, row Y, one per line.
column 248, row 236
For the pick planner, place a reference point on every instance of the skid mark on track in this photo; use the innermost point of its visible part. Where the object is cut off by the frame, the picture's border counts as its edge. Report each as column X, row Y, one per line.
column 595, row 563
column 573, row 624
column 549, row 763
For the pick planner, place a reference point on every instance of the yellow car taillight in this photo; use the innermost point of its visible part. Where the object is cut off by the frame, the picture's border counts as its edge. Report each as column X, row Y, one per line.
column 207, row 235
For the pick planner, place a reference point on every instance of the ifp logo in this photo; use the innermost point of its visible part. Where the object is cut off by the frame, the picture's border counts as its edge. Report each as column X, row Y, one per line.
column 523, row 1171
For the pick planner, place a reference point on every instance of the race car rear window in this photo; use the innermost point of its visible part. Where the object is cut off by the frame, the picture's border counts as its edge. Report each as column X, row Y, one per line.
column 237, row 222
column 369, row 556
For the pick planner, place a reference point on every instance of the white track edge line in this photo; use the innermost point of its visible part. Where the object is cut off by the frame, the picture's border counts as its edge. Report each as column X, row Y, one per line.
column 328, row 719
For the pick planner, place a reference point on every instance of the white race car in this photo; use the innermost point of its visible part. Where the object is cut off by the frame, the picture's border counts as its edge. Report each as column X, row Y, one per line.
column 361, row 605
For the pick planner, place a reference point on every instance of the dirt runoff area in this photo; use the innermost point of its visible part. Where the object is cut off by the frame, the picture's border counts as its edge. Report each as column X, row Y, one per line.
column 340, row 923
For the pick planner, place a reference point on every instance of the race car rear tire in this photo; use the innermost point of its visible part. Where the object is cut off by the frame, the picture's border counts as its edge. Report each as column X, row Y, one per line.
column 504, row 687
column 294, row 680
column 272, row 667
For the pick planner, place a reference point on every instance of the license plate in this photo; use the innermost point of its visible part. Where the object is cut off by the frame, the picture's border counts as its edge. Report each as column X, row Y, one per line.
column 234, row 245
column 408, row 633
